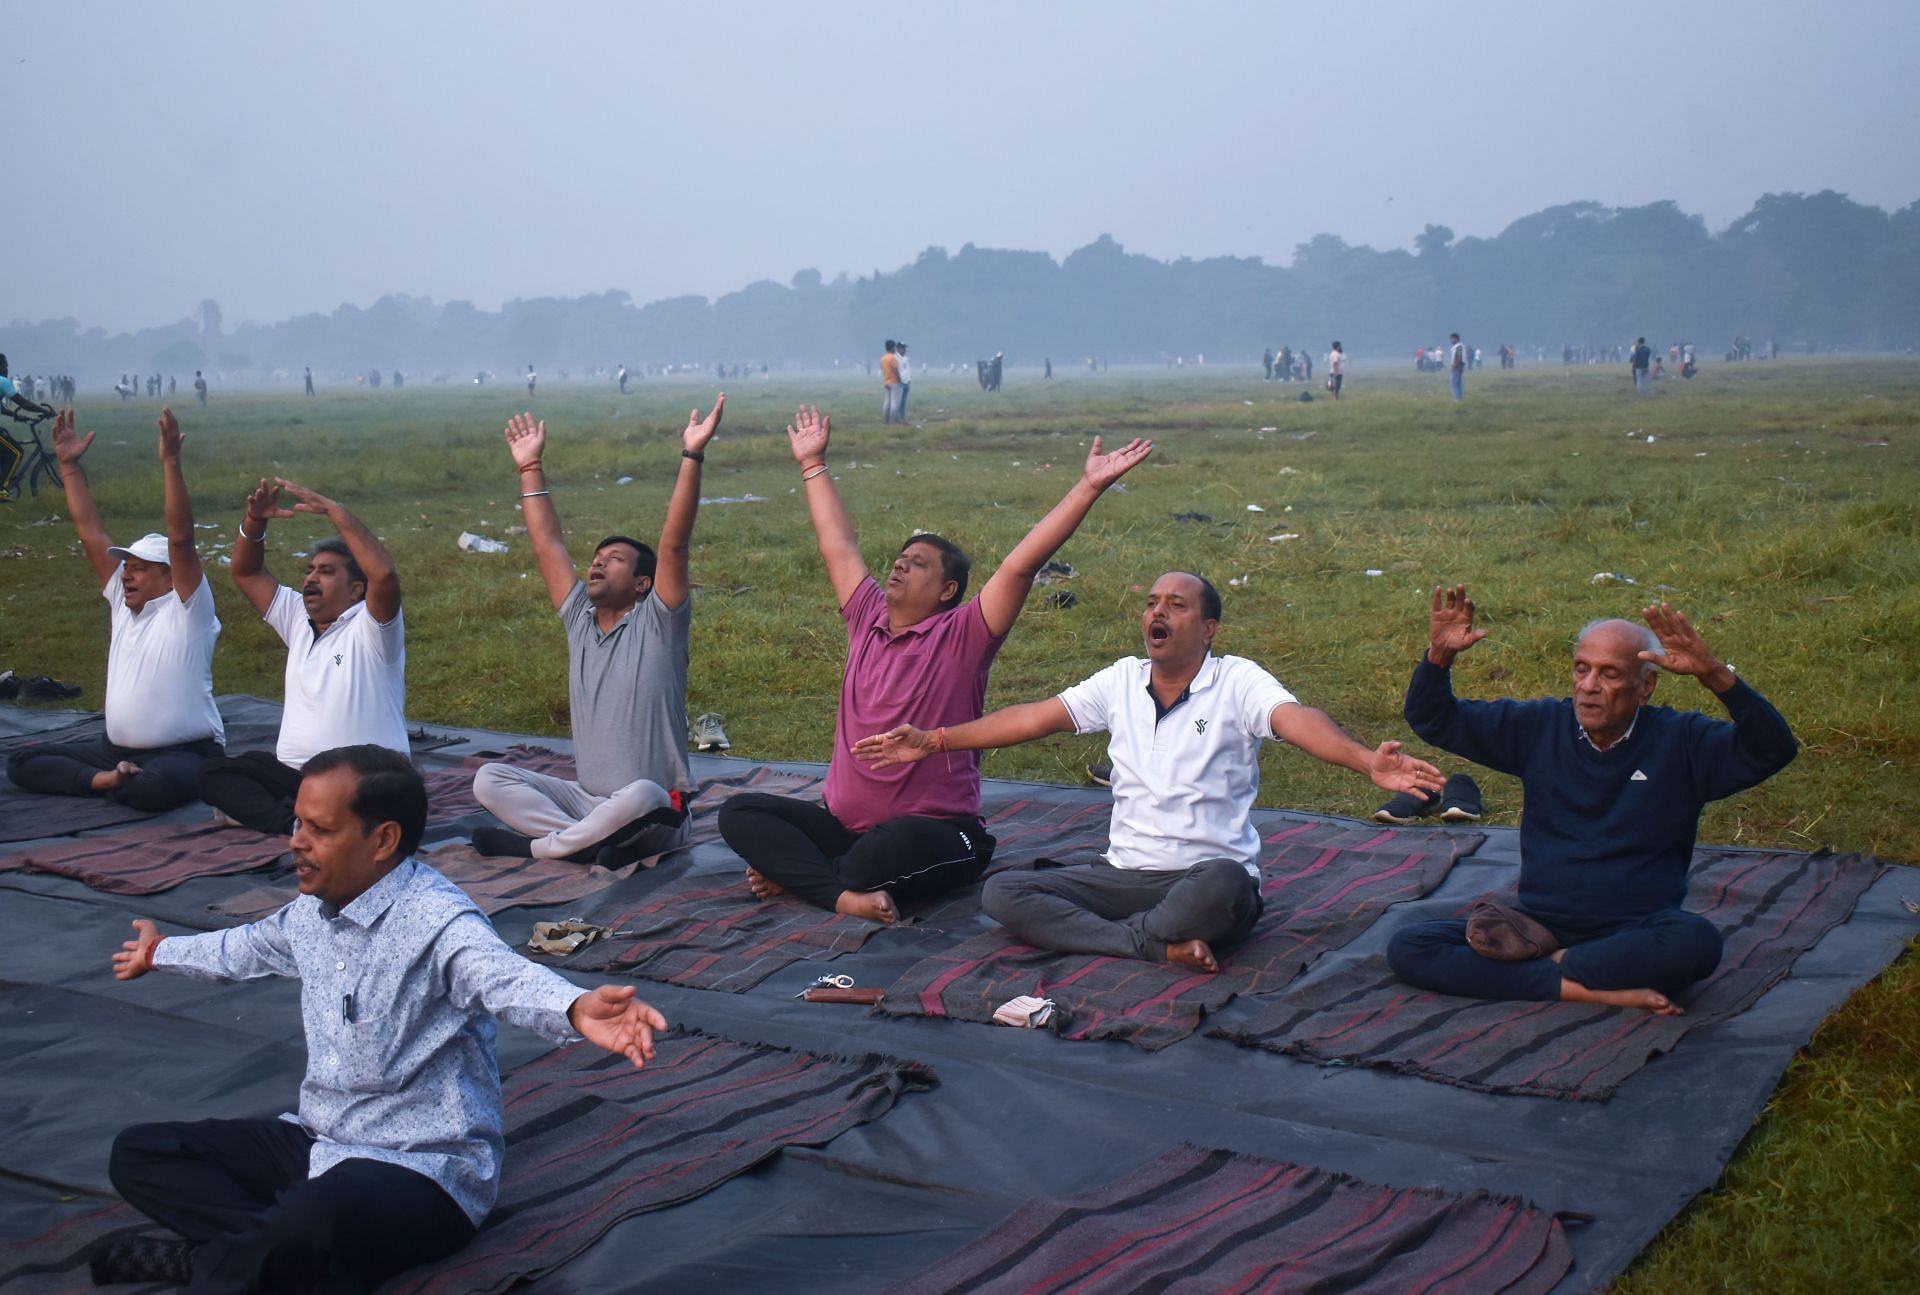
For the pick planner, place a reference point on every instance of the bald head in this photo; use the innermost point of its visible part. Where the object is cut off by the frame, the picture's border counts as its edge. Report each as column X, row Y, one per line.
column 1624, row 637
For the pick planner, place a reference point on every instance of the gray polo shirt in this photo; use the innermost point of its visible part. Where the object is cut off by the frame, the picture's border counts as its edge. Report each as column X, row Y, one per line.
column 627, row 689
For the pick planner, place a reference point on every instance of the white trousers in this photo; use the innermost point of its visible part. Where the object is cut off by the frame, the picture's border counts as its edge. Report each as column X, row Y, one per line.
column 565, row 818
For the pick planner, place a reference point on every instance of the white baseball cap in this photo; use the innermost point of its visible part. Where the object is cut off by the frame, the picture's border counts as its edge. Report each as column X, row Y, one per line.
column 151, row 547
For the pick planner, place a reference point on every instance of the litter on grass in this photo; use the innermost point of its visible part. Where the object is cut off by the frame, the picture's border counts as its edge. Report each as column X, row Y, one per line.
column 1611, row 578
column 472, row 543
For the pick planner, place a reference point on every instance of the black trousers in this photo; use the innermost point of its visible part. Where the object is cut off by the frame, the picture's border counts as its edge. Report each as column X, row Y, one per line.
column 254, row 789
column 239, row 1191
column 801, row 846
column 169, row 775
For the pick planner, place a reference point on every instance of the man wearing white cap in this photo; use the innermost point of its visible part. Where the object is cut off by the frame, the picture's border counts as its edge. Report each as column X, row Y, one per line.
column 162, row 725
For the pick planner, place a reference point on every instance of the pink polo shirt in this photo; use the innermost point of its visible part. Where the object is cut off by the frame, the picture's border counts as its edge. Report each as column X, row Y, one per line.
column 928, row 675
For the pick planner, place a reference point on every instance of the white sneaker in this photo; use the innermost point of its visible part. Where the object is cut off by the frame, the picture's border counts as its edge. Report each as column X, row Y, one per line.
column 707, row 733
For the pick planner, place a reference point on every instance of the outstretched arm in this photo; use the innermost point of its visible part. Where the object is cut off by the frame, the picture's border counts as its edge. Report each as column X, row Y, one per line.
column 383, row 578
column 250, row 549
column 183, row 555
column 1009, row 726
column 839, row 546
column 1004, row 595
column 1314, row 732
column 670, row 578
column 611, row 1017
column 527, row 440
column 135, row 958
column 68, row 447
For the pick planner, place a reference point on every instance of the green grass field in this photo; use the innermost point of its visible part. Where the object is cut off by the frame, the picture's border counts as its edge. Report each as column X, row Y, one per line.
column 1777, row 504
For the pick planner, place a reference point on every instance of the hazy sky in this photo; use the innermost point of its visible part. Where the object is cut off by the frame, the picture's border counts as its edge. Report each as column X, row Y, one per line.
column 286, row 158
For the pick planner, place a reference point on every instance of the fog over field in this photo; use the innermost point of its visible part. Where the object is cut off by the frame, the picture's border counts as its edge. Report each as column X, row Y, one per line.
column 283, row 161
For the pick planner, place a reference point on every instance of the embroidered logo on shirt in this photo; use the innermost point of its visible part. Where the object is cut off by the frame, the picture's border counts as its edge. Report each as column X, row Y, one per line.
column 1200, row 726
column 1637, row 776
column 336, row 658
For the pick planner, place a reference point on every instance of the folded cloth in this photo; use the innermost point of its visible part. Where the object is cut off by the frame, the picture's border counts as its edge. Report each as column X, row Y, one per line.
column 1026, row 1011
column 1506, row 934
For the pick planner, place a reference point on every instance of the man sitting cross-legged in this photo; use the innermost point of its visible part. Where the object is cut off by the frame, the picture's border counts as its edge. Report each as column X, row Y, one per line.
column 1181, row 878
column 916, row 653
column 346, row 678
column 394, row 1156
column 627, row 629
column 1613, row 792
column 162, row 725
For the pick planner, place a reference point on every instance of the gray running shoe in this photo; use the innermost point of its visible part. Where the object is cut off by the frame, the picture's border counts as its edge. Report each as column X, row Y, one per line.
column 708, row 735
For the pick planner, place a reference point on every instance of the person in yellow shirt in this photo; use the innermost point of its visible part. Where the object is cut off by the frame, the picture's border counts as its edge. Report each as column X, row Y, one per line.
column 890, row 382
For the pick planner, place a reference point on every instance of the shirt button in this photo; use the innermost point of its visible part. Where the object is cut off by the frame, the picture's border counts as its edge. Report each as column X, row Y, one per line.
column 333, row 1061
column 339, row 966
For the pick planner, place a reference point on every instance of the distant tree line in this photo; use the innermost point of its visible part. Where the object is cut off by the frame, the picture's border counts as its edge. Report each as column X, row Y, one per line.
column 1801, row 269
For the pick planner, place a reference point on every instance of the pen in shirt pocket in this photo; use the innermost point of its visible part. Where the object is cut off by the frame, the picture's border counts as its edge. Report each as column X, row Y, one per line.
column 346, row 1009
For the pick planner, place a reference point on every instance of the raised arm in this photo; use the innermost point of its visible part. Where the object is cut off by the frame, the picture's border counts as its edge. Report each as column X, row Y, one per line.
column 249, row 567
column 68, row 447
column 1006, row 593
column 527, row 441
column 839, row 546
column 383, row 578
column 1008, row 726
column 670, row 581
column 183, row 555
column 1450, row 628
column 1314, row 732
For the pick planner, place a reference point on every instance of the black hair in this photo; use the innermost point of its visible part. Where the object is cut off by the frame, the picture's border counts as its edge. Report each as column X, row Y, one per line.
column 3, row 364
column 335, row 545
column 390, row 790
column 891, row 344
column 644, row 560
column 1209, row 596
column 1336, row 346
column 954, row 564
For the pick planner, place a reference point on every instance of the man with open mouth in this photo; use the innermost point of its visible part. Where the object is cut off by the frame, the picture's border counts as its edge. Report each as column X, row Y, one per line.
column 346, row 678
column 1180, row 880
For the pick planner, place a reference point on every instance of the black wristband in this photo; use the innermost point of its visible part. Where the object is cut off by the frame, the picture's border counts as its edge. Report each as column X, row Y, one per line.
column 698, row 456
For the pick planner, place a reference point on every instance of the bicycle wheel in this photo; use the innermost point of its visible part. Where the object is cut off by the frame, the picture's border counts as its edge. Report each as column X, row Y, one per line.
column 45, row 469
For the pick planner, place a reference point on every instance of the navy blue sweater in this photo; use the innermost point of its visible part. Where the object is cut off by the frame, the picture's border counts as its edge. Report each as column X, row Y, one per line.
column 1605, row 835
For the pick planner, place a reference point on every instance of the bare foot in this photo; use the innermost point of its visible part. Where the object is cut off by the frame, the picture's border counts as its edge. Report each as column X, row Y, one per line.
column 117, row 777
column 874, row 905
column 1646, row 999
column 761, row 887
column 1193, row 953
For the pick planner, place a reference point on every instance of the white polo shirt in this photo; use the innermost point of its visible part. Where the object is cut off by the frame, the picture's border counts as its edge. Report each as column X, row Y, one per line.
column 345, row 687
column 1183, row 784
column 160, row 669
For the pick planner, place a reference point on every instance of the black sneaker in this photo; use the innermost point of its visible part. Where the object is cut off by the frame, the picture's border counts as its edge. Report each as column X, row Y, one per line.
column 1101, row 773
column 142, row 1259
column 1407, row 807
column 9, row 685
column 1460, row 801
column 41, row 688
column 500, row 843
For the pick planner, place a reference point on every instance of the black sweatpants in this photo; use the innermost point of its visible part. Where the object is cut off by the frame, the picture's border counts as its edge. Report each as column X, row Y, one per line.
column 239, row 1191
column 802, row 847
column 1667, row 951
column 254, row 789
column 169, row 775
column 1125, row 912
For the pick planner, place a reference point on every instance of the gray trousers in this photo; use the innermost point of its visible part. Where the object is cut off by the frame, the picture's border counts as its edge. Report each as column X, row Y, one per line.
column 1125, row 912
column 563, row 817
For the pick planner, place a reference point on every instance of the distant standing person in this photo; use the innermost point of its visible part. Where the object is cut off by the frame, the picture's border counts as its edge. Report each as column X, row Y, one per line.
column 1049, row 373
column 1336, row 370
column 1457, row 366
column 906, row 384
column 309, row 380
column 1642, row 363
column 623, row 379
column 531, row 379
column 200, row 386
column 1266, row 362
column 890, row 382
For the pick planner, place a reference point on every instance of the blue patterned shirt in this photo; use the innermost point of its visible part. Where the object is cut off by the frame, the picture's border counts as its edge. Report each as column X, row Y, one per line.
column 398, row 993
